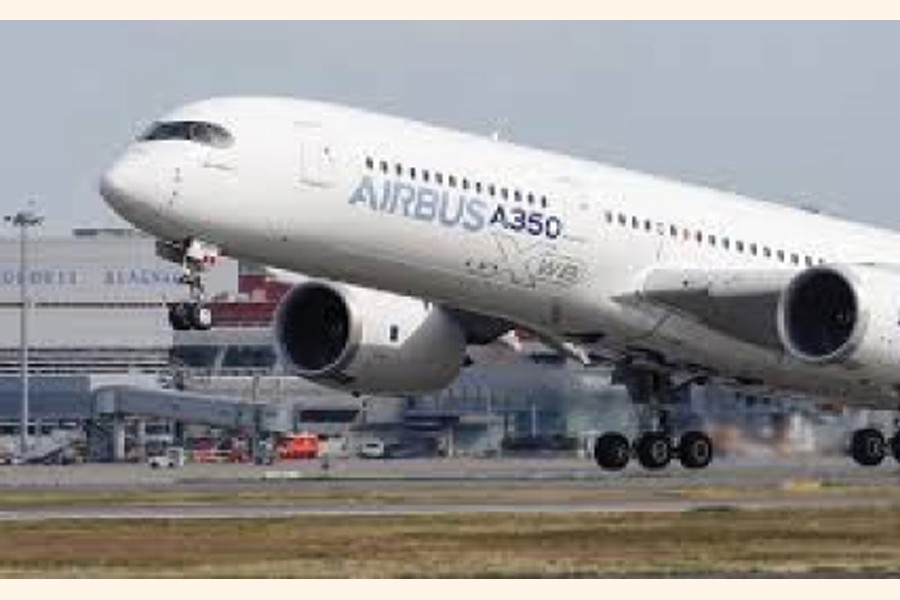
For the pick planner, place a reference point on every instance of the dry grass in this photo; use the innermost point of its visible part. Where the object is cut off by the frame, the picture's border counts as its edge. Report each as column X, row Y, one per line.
column 520, row 545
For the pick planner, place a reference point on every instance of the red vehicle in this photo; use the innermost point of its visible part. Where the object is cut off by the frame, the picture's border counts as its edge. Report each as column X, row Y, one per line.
column 298, row 445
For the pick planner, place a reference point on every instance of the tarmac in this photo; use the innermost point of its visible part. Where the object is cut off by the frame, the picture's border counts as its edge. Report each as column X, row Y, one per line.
column 440, row 486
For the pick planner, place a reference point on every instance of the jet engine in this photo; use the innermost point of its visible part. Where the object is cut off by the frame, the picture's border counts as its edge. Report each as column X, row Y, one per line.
column 367, row 341
column 845, row 314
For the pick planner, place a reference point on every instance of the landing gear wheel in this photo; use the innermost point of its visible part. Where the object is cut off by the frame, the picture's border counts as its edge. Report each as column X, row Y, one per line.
column 612, row 451
column 895, row 446
column 201, row 317
column 654, row 450
column 695, row 450
column 180, row 316
column 867, row 447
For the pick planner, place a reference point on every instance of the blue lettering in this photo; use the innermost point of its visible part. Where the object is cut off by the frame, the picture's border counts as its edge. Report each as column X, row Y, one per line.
column 446, row 220
column 405, row 194
column 426, row 207
column 474, row 215
column 365, row 192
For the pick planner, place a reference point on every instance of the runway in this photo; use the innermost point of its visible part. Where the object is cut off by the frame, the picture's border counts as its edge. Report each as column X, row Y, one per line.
column 431, row 487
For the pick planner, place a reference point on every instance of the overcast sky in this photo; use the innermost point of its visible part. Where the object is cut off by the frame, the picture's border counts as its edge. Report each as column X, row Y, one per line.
column 806, row 113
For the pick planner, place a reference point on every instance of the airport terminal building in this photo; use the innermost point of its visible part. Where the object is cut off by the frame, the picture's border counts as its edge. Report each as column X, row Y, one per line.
column 105, row 361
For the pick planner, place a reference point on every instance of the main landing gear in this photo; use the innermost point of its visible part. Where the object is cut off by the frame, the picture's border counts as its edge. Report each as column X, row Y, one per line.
column 868, row 446
column 195, row 258
column 656, row 446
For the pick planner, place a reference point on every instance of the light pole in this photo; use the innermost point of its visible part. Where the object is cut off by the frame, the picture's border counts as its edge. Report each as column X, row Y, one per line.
column 23, row 220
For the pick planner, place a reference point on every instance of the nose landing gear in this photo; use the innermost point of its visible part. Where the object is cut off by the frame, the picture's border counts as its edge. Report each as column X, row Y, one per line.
column 194, row 257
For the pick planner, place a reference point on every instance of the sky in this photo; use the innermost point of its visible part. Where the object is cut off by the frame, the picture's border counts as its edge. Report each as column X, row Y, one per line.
column 800, row 113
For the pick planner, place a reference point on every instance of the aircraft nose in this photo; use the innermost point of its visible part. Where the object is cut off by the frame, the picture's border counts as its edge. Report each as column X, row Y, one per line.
column 126, row 188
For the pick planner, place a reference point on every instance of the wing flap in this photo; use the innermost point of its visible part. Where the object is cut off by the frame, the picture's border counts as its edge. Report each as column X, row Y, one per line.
column 740, row 303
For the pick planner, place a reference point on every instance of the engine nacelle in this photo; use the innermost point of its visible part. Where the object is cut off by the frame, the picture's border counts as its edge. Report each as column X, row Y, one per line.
column 846, row 314
column 362, row 340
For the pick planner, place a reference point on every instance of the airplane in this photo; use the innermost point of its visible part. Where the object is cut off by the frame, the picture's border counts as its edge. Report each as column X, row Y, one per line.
column 422, row 241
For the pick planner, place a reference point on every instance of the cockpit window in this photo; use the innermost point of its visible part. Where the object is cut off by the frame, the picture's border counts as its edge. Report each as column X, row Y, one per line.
column 209, row 134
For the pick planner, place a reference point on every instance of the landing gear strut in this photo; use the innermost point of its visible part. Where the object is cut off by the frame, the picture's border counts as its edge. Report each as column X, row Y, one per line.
column 656, row 446
column 194, row 257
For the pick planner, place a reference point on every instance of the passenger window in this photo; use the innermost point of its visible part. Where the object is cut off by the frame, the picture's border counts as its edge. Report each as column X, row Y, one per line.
column 795, row 259
column 477, row 187
column 504, row 193
column 425, row 175
column 543, row 202
column 753, row 249
column 384, row 166
column 530, row 198
column 809, row 261
column 726, row 243
column 369, row 162
column 465, row 183
column 622, row 219
column 395, row 333
column 412, row 172
column 438, row 178
column 609, row 217
column 699, row 237
column 518, row 196
column 451, row 180
column 739, row 246
column 780, row 254
column 712, row 240
column 767, row 252
column 492, row 190
column 398, row 168
column 648, row 225
column 673, row 231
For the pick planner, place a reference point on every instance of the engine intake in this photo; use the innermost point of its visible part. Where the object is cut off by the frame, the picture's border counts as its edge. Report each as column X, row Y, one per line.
column 819, row 316
column 321, row 333
column 368, row 341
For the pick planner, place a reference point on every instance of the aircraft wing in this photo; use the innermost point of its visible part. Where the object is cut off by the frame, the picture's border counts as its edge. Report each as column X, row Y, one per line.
column 740, row 303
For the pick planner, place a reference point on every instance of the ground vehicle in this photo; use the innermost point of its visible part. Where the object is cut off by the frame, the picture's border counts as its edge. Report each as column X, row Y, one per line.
column 173, row 458
column 298, row 446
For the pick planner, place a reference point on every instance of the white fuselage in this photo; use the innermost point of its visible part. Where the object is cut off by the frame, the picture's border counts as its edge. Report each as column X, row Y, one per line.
column 555, row 244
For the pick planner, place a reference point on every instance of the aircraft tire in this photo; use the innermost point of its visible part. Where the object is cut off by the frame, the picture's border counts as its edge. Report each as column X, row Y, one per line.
column 612, row 451
column 654, row 450
column 895, row 446
column 695, row 450
column 180, row 316
column 867, row 447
